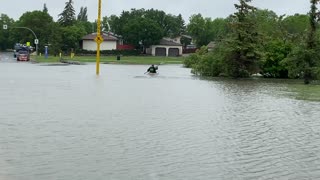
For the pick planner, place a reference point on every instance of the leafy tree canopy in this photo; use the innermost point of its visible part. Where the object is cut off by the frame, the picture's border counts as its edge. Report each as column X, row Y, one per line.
column 6, row 42
column 71, row 36
column 204, row 30
column 40, row 23
column 142, row 31
column 140, row 21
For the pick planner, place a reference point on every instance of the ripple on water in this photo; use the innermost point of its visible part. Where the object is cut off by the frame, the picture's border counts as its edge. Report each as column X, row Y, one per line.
column 69, row 124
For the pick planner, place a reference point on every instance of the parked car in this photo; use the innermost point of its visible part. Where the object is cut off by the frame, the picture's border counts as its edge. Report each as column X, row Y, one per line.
column 23, row 56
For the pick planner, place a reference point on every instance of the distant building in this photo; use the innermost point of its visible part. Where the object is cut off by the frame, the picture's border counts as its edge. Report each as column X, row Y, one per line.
column 178, row 38
column 109, row 42
column 189, row 46
column 166, row 47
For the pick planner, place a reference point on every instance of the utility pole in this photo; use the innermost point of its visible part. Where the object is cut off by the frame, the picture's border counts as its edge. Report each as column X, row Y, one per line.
column 98, row 39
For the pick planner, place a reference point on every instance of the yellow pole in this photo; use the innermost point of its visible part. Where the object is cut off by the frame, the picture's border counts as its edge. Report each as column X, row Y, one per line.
column 98, row 39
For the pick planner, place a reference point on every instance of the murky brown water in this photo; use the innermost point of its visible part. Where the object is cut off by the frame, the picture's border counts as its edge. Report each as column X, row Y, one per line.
column 65, row 123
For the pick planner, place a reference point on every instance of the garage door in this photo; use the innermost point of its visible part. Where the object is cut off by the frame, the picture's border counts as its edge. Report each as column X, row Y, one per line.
column 161, row 52
column 174, row 52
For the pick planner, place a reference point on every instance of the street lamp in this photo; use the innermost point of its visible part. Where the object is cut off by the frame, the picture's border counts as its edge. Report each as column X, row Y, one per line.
column 36, row 41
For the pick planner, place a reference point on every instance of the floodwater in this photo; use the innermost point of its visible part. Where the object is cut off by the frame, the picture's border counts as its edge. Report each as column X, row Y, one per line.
column 65, row 123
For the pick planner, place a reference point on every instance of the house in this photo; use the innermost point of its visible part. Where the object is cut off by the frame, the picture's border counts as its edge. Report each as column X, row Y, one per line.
column 109, row 42
column 179, row 38
column 188, row 45
column 166, row 47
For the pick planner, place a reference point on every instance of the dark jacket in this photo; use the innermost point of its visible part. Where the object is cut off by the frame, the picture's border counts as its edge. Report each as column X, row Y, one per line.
column 152, row 69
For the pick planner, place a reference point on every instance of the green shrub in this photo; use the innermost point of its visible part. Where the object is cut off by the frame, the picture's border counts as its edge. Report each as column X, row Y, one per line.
column 275, row 52
column 303, row 61
column 193, row 59
column 211, row 63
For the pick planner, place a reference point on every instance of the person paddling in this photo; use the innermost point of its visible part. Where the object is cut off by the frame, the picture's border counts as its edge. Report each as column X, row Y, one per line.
column 152, row 69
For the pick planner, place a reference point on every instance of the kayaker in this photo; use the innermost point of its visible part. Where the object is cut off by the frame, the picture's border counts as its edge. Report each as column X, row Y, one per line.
column 152, row 69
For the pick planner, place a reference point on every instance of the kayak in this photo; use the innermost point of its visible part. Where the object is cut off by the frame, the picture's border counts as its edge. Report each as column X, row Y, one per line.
column 152, row 74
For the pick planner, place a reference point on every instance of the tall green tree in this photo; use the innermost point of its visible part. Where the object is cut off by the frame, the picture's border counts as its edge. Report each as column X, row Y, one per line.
column 83, row 16
column 164, row 25
column 272, row 66
column 45, row 9
column 312, row 44
column 244, row 55
column 180, row 25
column 39, row 22
column 237, row 55
column 274, row 43
column 71, row 36
column 185, row 41
column 88, row 26
column 205, row 30
column 295, row 27
column 304, row 61
column 55, row 39
column 105, row 24
column 172, row 25
column 200, row 29
column 267, row 22
column 220, row 29
column 5, row 41
column 142, row 32
column 111, row 23
column 82, row 20
column 118, row 23
column 67, row 17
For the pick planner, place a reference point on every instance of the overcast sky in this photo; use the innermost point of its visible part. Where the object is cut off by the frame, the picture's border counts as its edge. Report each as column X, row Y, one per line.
column 208, row 8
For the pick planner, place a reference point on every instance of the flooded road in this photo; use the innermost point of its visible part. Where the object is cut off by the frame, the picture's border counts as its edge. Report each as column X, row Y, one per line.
column 65, row 123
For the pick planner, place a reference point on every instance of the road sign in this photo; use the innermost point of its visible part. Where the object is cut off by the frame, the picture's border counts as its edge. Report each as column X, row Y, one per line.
column 98, row 39
column 36, row 41
column 5, row 26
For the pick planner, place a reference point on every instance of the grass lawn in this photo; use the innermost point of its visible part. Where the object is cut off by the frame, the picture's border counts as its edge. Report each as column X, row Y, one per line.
column 113, row 59
column 306, row 92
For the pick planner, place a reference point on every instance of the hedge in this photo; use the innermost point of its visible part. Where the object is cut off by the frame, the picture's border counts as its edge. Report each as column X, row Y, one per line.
column 109, row 52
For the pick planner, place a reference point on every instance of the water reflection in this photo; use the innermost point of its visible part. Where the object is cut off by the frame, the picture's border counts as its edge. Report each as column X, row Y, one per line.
column 63, row 122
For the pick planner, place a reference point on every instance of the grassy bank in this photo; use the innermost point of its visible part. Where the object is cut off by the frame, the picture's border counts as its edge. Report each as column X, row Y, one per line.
column 113, row 59
column 305, row 92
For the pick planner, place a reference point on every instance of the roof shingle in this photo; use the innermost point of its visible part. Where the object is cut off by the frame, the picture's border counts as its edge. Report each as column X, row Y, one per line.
column 165, row 42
